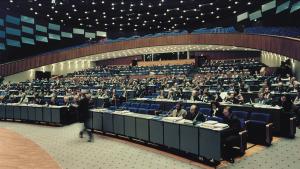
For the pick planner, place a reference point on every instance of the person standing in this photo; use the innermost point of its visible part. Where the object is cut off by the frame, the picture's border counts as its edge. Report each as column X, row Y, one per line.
column 83, row 109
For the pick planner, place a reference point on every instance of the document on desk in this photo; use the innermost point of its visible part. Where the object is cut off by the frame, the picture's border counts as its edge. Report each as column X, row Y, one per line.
column 214, row 125
column 185, row 121
column 171, row 119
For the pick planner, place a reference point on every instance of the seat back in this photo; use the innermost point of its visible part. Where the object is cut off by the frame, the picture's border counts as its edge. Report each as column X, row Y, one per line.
column 144, row 105
column 60, row 101
column 125, row 104
column 260, row 117
column 155, row 106
column 205, row 111
column 214, row 118
column 242, row 115
column 135, row 105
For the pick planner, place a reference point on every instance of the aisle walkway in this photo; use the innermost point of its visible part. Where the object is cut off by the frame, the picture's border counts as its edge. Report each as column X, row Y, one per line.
column 17, row 151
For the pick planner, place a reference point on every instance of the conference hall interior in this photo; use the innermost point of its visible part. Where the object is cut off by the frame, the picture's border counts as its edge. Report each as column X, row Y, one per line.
column 151, row 84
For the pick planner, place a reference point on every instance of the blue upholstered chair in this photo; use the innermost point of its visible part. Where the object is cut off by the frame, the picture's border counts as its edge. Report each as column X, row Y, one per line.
column 205, row 111
column 243, row 116
column 154, row 108
column 143, row 108
column 125, row 105
column 214, row 118
column 134, row 107
column 259, row 128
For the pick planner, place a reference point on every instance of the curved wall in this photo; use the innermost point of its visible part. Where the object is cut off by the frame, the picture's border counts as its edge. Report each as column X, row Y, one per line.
column 281, row 45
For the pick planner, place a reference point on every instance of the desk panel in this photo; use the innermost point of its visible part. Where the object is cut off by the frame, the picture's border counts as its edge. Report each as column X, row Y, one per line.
column 2, row 111
column 39, row 113
column 9, row 111
column 55, row 115
column 17, row 112
column 118, row 124
column 31, row 113
column 156, row 131
column 142, row 129
column 129, row 124
column 47, row 114
column 24, row 112
column 210, row 144
column 171, row 135
column 108, row 122
column 97, row 121
column 189, row 139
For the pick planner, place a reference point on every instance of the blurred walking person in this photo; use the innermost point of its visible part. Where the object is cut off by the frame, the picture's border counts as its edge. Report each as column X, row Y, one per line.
column 83, row 109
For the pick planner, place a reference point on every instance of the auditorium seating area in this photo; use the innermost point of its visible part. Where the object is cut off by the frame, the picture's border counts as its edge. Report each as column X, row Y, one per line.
column 119, row 84
column 133, row 71
column 236, row 65
column 150, row 94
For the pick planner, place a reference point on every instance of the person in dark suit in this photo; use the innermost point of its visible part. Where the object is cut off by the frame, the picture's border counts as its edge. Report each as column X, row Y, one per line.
column 194, row 115
column 260, row 99
column 53, row 101
column 216, row 109
column 280, row 88
column 289, row 111
column 238, row 98
column 38, row 99
column 231, row 134
column 217, row 97
column 286, row 103
column 194, row 96
column 83, row 109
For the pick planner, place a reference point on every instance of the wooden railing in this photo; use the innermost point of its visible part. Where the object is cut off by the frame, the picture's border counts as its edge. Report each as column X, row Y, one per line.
column 167, row 62
column 285, row 46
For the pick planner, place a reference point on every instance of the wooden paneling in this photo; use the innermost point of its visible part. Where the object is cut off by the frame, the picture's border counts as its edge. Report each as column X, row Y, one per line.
column 167, row 62
column 285, row 46
column 118, row 61
column 221, row 55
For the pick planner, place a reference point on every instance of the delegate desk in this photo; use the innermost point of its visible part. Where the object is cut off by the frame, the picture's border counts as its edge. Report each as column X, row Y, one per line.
column 179, row 135
column 276, row 112
column 37, row 113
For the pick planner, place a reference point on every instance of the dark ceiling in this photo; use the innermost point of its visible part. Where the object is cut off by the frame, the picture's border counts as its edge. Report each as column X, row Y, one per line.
column 121, row 18
column 143, row 16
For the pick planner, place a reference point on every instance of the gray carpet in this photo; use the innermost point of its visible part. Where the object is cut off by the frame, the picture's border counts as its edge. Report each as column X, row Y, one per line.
column 64, row 145
column 283, row 154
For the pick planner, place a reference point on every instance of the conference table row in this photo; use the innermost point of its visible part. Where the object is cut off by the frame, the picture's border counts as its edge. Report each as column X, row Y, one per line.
column 173, row 133
column 178, row 134
column 248, row 96
column 277, row 113
column 59, row 115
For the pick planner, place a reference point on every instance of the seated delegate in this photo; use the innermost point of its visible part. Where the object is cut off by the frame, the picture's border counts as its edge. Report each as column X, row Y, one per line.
column 178, row 111
column 216, row 109
column 194, row 115
column 232, row 137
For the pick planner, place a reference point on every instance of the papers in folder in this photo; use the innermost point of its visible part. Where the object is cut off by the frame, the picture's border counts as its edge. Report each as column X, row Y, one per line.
column 171, row 119
column 214, row 125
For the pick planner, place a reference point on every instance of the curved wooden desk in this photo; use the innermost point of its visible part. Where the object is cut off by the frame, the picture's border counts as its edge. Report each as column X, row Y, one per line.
column 19, row 152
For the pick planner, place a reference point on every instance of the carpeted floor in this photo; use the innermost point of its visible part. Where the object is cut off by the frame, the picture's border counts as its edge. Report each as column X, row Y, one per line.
column 64, row 145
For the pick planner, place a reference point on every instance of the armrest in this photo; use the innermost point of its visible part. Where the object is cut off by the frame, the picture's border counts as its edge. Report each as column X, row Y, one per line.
column 243, row 141
column 292, row 127
column 269, row 125
column 246, row 122
column 269, row 133
column 241, row 133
